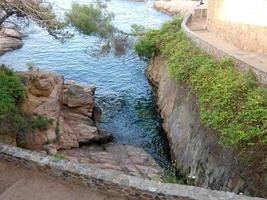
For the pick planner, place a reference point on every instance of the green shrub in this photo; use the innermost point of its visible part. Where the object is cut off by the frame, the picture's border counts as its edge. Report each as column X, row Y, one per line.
column 231, row 102
column 61, row 156
column 13, row 121
column 90, row 19
column 147, row 46
column 40, row 122
column 12, row 91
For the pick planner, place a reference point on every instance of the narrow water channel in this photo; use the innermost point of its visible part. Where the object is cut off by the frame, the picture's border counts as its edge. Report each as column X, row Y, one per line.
column 123, row 91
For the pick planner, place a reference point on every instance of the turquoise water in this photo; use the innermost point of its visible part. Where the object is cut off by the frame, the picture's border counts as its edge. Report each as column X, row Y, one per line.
column 123, row 91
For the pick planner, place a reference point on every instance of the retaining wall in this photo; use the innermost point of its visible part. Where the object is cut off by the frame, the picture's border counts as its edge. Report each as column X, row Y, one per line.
column 216, row 52
column 109, row 181
column 242, row 23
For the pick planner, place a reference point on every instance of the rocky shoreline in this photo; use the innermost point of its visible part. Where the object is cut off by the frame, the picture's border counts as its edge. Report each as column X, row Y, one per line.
column 73, row 132
column 73, row 113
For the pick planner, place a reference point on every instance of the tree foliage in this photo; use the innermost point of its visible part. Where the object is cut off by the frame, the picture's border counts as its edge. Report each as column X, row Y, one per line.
column 37, row 10
column 90, row 19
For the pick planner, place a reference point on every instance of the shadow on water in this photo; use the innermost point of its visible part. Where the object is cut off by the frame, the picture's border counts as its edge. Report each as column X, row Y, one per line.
column 123, row 91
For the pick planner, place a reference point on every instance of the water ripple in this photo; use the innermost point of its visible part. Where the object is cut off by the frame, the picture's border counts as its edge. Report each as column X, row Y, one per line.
column 123, row 91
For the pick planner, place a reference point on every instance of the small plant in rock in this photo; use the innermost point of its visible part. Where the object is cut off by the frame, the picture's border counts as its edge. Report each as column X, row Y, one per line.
column 61, row 156
column 171, row 175
column 41, row 122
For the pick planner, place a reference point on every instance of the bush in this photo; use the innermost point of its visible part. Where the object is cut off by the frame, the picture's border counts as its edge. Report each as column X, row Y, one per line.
column 231, row 102
column 90, row 19
column 12, row 91
column 13, row 121
column 147, row 46
column 40, row 122
column 61, row 156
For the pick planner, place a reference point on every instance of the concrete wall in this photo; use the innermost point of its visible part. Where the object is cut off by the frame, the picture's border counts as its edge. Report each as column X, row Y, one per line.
column 109, row 181
column 240, row 22
column 218, row 53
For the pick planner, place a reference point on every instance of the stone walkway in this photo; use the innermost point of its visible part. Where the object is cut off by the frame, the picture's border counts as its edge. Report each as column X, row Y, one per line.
column 256, row 60
column 18, row 183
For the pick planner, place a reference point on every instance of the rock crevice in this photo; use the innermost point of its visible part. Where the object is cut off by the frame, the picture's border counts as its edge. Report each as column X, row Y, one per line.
column 195, row 148
column 69, row 106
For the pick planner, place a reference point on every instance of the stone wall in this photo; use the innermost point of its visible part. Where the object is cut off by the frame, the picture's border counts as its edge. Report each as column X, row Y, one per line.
column 216, row 52
column 111, row 182
column 234, row 21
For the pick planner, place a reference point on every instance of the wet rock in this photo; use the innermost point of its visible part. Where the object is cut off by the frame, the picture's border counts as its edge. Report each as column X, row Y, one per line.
column 97, row 112
column 103, row 137
column 9, row 44
column 125, row 158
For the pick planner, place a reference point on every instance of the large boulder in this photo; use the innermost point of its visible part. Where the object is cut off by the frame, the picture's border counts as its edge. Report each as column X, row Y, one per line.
column 79, row 98
column 76, row 128
column 76, row 121
column 68, row 105
column 44, row 91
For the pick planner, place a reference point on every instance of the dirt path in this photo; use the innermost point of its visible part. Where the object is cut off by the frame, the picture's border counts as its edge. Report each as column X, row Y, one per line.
column 18, row 183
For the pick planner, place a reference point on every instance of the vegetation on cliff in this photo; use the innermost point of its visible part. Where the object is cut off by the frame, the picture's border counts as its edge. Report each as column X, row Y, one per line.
column 13, row 121
column 231, row 102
